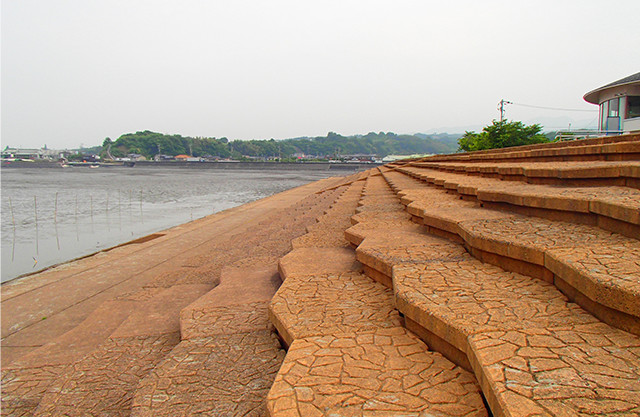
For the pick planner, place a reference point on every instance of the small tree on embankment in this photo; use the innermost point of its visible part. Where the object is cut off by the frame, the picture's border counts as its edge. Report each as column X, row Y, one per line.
column 502, row 134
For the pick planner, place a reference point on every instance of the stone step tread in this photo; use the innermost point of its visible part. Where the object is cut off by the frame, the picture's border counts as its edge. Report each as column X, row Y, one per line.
column 153, row 312
column 387, row 372
column 560, row 169
column 325, row 297
column 621, row 203
column 602, row 265
column 384, row 229
column 532, row 350
column 103, row 383
column 483, row 311
column 385, row 253
column 330, row 303
column 619, row 144
column 229, row 374
column 568, row 250
column 328, row 231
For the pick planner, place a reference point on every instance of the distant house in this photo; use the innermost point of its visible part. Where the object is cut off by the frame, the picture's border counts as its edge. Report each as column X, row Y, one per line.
column 164, row 158
column 42, row 153
column 182, row 157
column 619, row 104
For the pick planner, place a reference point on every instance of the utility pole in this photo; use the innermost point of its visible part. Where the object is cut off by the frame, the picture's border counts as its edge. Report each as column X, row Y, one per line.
column 501, row 108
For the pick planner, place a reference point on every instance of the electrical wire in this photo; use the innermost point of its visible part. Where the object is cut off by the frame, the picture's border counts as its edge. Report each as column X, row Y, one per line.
column 550, row 108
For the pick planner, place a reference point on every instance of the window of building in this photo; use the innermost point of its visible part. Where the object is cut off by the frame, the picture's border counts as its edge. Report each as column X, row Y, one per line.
column 614, row 107
column 604, row 110
column 633, row 107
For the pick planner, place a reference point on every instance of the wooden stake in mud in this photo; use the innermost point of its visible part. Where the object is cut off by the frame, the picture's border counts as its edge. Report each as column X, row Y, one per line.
column 13, row 222
column 55, row 221
column 141, row 218
column 35, row 209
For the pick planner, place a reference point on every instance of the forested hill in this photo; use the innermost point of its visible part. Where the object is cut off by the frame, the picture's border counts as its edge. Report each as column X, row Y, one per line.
column 381, row 144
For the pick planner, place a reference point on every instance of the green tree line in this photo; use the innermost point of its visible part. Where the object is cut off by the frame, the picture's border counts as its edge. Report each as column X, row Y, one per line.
column 149, row 144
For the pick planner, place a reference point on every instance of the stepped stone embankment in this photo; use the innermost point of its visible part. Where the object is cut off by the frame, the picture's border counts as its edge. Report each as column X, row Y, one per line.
column 503, row 282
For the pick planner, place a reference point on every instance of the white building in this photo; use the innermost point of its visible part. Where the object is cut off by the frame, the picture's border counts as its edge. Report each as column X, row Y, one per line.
column 619, row 105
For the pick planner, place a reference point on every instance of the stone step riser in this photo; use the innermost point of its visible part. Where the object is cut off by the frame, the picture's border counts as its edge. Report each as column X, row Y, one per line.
column 585, row 179
column 327, row 309
column 620, row 219
column 613, row 304
column 623, row 147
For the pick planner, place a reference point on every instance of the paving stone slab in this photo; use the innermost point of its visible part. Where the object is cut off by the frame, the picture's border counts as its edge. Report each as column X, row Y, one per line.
column 104, row 382
column 557, row 245
column 387, row 372
column 529, row 347
column 327, row 303
column 561, row 170
column 620, row 203
column 226, row 375
column 551, row 245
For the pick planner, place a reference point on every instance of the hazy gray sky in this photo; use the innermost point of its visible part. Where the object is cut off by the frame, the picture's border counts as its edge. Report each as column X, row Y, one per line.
column 77, row 71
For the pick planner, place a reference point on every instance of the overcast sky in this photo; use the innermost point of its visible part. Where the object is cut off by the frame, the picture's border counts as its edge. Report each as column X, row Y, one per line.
column 77, row 71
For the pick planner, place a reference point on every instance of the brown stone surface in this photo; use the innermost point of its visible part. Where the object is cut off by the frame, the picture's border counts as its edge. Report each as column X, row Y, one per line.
column 532, row 170
column 103, row 382
column 90, row 358
column 550, row 245
column 224, row 374
column 122, row 342
column 387, row 372
column 563, row 248
column 526, row 342
column 319, row 304
column 348, row 353
column 621, row 203
column 317, row 260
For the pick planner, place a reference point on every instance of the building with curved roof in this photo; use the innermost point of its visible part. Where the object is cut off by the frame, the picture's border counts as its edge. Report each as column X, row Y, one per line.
column 619, row 104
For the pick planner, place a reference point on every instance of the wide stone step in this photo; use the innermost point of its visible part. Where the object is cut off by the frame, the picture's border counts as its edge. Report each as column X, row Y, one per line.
column 612, row 208
column 348, row 353
column 529, row 347
column 532, row 350
column 612, row 148
column 229, row 353
column 103, row 382
column 328, row 229
column 595, row 268
column 44, row 370
column 598, row 173
column 388, row 372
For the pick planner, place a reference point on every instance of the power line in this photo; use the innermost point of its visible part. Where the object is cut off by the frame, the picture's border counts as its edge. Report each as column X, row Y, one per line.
column 549, row 108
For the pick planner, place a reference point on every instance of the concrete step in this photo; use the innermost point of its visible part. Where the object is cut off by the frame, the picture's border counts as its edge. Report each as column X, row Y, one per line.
column 593, row 267
column 227, row 358
column 348, row 353
column 532, row 350
column 327, row 231
column 571, row 173
column 608, row 148
column 529, row 347
column 612, row 208
column 95, row 366
column 228, row 355
column 103, row 382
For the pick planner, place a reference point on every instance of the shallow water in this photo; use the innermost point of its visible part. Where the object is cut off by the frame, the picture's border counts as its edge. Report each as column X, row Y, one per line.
column 51, row 215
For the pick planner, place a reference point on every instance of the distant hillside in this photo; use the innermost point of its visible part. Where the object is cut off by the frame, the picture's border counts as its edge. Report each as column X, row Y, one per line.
column 149, row 143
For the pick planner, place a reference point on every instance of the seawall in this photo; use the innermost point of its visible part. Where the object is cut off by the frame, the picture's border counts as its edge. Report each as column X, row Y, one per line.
column 491, row 283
